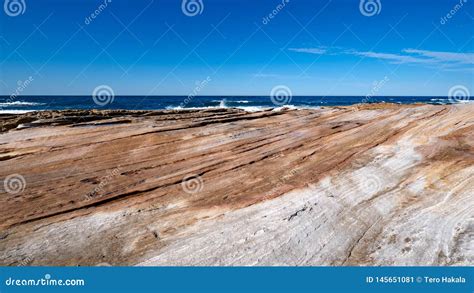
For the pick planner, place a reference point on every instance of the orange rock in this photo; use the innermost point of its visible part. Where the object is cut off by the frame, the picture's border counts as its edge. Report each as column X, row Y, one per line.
column 227, row 187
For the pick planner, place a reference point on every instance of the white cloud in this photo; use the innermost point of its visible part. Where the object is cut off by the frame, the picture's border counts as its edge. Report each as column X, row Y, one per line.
column 406, row 56
column 463, row 58
column 318, row 51
column 394, row 58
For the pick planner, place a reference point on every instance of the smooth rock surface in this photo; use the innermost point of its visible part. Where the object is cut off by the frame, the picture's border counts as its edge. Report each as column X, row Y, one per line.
column 364, row 185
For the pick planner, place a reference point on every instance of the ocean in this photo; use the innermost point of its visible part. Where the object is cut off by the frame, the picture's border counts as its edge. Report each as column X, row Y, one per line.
column 22, row 104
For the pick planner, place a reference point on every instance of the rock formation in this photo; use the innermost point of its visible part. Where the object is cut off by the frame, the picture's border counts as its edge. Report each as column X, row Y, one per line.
column 375, row 184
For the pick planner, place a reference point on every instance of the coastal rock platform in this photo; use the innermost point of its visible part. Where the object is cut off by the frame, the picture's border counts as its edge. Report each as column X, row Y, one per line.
column 377, row 184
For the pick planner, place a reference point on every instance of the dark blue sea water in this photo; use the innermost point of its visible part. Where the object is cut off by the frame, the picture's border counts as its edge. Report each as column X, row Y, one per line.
column 21, row 104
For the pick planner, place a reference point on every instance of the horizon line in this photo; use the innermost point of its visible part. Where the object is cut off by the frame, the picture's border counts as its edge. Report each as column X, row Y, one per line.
column 91, row 95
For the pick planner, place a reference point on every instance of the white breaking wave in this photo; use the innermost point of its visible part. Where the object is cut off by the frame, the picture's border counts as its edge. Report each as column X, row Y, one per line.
column 245, row 108
column 222, row 104
column 237, row 102
column 19, row 103
column 253, row 108
column 465, row 101
column 248, row 109
column 190, row 108
column 448, row 101
column 15, row 111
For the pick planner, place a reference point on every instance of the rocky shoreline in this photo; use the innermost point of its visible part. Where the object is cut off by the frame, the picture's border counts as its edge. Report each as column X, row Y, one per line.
column 379, row 184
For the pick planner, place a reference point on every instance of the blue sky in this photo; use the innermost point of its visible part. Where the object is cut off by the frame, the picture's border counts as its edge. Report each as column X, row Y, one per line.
column 314, row 47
